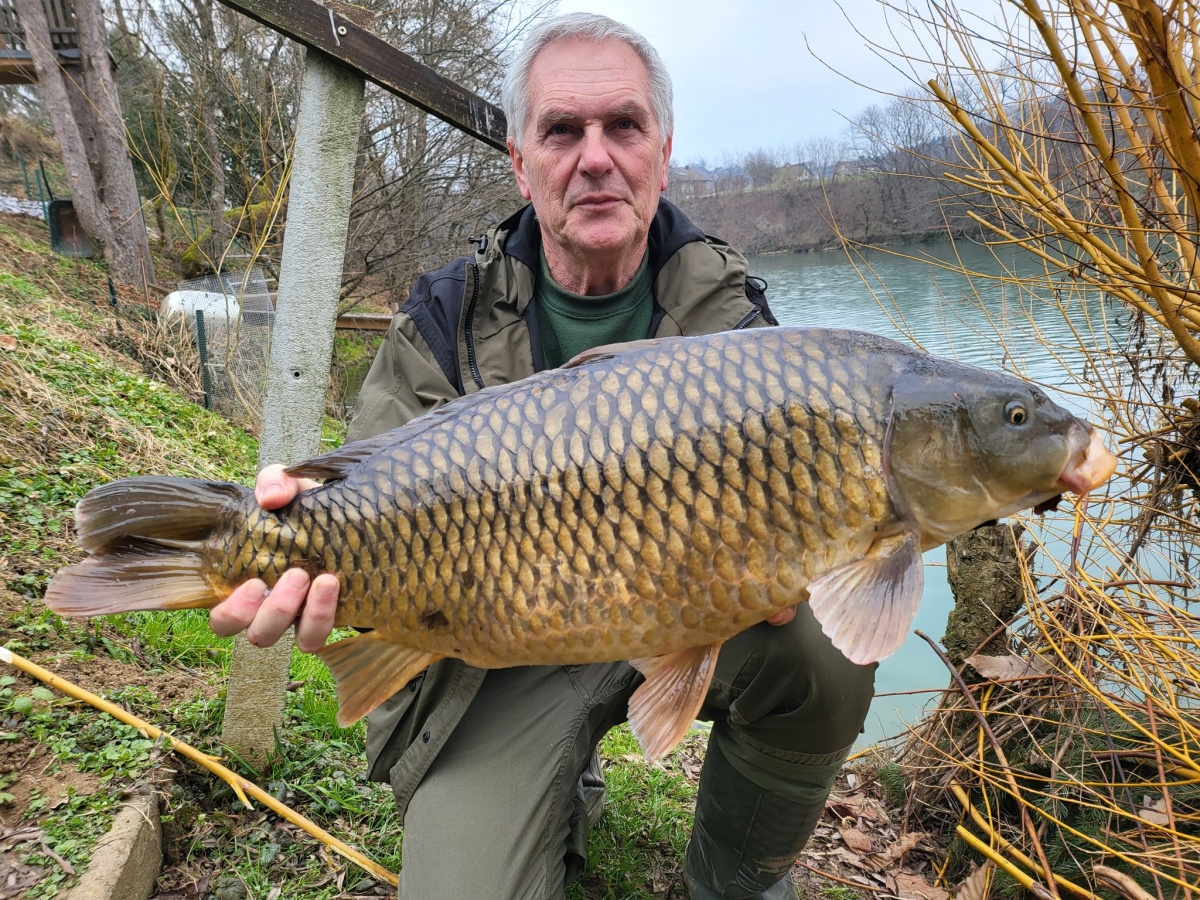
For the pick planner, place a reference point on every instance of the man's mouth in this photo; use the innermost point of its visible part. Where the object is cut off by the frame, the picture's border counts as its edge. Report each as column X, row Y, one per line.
column 596, row 201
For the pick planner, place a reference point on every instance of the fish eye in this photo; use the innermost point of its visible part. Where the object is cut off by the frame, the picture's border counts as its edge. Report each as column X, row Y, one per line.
column 1015, row 413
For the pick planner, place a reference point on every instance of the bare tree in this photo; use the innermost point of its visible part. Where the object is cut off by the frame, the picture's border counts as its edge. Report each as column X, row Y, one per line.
column 128, row 251
column 898, row 146
column 82, row 105
column 84, row 190
column 761, row 166
column 821, row 155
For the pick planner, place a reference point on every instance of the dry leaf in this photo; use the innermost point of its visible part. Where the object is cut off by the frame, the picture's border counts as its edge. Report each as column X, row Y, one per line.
column 856, row 806
column 8, row 342
column 855, row 840
column 977, row 885
column 880, row 861
column 1002, row 668
column 1154, row 811
column 914, row 887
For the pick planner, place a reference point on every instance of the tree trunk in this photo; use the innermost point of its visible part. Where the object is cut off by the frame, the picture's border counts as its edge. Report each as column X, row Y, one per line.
column 84, row 192
column 129, row 255
column 984, row 571
column 221, row 232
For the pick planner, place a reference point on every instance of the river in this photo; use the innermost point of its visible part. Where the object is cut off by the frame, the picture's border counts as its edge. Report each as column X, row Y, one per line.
column 977, row 321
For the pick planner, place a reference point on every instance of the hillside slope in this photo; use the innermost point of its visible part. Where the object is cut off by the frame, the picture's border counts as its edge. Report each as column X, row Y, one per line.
column 89, row 391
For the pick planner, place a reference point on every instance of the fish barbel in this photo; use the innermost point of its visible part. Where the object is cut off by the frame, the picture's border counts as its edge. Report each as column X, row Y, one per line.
column 647, row 501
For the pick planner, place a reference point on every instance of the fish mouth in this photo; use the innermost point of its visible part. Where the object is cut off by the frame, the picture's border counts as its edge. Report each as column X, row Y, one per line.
column 1090, row 467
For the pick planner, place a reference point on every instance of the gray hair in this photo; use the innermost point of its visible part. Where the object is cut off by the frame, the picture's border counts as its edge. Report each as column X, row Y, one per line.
column 515, row 99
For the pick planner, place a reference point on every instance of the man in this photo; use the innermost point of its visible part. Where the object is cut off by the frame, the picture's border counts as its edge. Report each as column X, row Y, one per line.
column 491, row 768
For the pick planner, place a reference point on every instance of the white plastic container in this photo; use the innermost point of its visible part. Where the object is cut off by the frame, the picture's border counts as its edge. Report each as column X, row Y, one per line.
column 221, row 307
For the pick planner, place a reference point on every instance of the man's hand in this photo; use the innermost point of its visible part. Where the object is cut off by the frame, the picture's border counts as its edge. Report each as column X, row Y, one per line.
column 265, row 615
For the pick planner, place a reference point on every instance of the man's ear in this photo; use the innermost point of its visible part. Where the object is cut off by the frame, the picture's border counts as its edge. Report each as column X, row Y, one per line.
column 666, row 162
column 518, row 164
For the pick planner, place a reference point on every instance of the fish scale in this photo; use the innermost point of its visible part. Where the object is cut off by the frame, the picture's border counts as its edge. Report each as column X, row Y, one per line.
column 646, row 502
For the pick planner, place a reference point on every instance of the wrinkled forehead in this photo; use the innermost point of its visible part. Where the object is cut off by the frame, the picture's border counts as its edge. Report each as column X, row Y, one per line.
column 573, row 71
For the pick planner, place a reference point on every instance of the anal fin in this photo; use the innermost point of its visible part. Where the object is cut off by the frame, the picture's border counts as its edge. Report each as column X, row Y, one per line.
column 369, row 668
column 662, row 709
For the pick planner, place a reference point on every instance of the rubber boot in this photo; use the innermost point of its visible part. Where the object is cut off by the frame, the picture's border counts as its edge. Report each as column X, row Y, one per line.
column 745, row 838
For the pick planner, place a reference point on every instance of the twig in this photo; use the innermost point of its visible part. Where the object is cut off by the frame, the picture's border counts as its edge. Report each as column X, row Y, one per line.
column 1121, row 883
column 845, row 881
column 63, row 864
column 1007, row 847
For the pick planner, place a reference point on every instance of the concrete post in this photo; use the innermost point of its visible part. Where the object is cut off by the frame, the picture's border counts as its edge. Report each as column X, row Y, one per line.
column 310, row 277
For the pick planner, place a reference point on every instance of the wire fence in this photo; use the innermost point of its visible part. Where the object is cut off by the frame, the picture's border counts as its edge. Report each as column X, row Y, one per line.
column 22, row 185
column 232, row 315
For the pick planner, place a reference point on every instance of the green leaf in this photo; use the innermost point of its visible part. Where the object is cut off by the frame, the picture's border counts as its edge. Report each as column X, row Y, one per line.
column 44, row 693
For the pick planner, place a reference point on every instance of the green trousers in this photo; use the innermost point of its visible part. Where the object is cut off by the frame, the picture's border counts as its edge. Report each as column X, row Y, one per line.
column 500, row 812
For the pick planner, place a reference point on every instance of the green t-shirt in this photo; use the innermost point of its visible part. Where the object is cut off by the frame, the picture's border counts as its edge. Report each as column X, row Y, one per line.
column 571, row 323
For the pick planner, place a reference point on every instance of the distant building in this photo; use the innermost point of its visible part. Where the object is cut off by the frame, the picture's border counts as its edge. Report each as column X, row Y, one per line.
column 689, row 182
column 16, row 64
column 848, row 167
column 792, row 174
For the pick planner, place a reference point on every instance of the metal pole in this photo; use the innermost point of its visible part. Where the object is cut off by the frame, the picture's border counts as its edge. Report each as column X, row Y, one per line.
column 202, row 349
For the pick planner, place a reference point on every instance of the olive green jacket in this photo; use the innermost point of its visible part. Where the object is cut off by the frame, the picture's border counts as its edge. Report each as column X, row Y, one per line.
column 473, row 324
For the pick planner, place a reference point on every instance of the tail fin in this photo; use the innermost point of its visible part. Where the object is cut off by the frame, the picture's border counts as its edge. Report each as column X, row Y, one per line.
column 146, row 537
column 153, row 507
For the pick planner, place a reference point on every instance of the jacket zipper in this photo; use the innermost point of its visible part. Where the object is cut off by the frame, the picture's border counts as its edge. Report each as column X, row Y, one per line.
column 470, row 337
column 748, row 319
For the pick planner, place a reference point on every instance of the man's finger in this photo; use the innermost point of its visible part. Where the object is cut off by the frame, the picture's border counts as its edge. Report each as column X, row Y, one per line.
column 316, row 621
column 273, row 489
column 280, row 609
column 237, row 611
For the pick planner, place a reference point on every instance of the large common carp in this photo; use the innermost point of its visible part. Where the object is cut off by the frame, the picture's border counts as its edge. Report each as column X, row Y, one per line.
column 648, row 501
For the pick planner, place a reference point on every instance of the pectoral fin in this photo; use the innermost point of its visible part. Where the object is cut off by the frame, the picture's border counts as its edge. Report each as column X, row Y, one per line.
column 662, row 709
column 867, row 607
column 368, row 669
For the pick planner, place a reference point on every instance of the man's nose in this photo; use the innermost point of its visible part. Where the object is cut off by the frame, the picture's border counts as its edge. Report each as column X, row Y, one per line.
column 594, row 157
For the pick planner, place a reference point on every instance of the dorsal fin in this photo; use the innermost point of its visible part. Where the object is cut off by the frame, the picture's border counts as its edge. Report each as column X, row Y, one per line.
column 335, row 464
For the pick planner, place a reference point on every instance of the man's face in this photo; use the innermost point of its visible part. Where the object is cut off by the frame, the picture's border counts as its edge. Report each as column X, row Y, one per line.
column 593, row 160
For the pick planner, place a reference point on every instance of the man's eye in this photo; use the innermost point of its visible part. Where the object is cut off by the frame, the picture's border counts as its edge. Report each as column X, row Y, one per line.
column 559, row 129
column 626, row 124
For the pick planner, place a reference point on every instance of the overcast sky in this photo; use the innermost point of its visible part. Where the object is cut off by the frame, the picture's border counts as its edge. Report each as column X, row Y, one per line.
column 745, row 76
